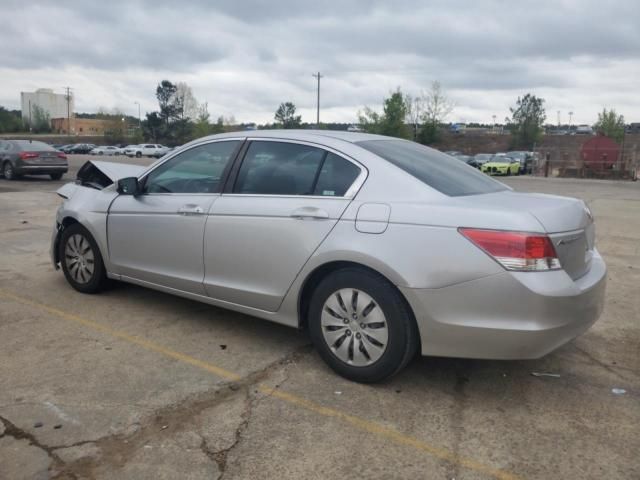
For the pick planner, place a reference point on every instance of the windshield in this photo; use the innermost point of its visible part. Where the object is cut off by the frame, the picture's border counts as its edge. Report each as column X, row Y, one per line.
column 438, row 170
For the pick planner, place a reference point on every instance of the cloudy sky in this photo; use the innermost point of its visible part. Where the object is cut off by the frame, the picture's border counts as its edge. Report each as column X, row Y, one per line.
column 244, row 57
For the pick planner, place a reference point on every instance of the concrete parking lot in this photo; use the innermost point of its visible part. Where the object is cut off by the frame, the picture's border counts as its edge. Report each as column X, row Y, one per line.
column 137, row 384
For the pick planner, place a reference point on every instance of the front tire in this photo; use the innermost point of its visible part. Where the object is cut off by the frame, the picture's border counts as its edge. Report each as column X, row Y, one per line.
column 81, row 260
column 56, row 176
column 138, row 154
column 361, row 325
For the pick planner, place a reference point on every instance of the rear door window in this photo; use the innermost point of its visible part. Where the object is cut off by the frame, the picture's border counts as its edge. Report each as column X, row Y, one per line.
column 279, row 168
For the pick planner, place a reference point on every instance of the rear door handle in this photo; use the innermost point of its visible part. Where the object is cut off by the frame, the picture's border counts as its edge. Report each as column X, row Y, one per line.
column 309, row 213
column 191, row 209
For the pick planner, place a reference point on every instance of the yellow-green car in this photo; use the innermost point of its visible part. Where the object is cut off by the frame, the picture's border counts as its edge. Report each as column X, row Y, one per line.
column 500, row 165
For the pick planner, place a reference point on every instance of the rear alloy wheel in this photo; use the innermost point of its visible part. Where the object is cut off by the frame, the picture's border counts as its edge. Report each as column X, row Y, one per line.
column 8, row 172
column 81, row 260
column 361, row 325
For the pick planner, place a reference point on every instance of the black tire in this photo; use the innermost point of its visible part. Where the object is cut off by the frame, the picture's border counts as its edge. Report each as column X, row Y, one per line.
column 138, row 154
column 8, row 172
column 402, row 342
column 56, row 176
column 508, row 172
column 98, row 279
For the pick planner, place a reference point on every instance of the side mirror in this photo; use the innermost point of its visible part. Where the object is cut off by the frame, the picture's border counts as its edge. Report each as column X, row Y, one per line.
column 129, row 186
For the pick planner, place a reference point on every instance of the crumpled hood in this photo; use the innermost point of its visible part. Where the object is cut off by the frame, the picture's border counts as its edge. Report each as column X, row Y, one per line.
column 116, row 171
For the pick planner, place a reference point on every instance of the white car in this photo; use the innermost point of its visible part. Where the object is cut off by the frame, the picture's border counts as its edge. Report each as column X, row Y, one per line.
column 146, row 150
column 108, row 150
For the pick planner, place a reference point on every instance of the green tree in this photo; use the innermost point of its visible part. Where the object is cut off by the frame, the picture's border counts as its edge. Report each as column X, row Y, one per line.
column 152, row 126
column 40, row 120
column 286, row 116
column 527, row 119
column 392, row 120
column 436, row 108
column 610, row 124
column 165, row 93
column 10, row 121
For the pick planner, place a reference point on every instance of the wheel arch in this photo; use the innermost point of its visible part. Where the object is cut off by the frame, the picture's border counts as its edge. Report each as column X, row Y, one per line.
column 321, row 271
column 67, row 221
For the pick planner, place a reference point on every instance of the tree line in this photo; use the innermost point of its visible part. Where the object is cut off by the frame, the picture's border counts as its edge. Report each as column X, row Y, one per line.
column 180, row 118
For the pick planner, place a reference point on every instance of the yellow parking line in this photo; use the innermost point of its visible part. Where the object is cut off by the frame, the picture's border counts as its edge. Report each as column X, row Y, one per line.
column 360, row 423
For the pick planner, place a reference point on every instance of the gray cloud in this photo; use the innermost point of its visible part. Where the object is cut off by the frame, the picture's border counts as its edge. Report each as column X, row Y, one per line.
column 245, row 57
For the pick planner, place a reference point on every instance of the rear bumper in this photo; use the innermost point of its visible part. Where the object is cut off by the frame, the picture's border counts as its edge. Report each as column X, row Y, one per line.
column 508, row 315
column 40, row 169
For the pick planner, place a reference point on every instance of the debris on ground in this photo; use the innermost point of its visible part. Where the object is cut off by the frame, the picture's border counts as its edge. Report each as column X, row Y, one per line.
column 618, row 391
column 545, row 374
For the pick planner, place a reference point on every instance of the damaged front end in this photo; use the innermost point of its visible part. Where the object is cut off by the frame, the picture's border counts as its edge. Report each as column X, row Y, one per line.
column 87, row 200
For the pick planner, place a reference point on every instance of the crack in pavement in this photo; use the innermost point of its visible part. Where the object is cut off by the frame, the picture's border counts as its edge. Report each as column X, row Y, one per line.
column 251, row 402
column 13, row 431
column 117, row 449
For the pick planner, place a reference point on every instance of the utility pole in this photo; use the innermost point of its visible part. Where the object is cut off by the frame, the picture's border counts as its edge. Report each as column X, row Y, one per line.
column 570, row 115
column 558, row 119
column 318, row 76
column 68, row 97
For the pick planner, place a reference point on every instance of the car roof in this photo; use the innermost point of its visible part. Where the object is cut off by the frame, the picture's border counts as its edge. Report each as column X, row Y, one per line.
column 318, row 135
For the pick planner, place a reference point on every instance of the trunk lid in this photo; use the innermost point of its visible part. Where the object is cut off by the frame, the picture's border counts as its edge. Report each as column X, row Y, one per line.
column 567, row 221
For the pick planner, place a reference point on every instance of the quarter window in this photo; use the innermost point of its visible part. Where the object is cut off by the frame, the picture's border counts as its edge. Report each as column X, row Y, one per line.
column 278, row 168
column 336, row 176
column 197, row 170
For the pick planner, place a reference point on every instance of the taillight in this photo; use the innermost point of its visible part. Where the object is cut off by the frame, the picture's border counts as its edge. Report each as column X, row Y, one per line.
column 62, row 155
column 519, row 251
column 25, row 155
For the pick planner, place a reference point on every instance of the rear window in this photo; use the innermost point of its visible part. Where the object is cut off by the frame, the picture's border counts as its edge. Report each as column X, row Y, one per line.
column 28, row 146
column 438, row 170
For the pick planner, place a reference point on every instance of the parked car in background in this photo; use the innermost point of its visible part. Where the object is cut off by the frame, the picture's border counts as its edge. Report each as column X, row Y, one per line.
column 66, row 148
column 481, row 158
column 453, row 153
column 27, row 157
column 82, row 148
column 146, row 150
column 525, row 159
column 584, row 130
column 107, row 150
column 381, row 248
column 501, row 165
column 468, row 159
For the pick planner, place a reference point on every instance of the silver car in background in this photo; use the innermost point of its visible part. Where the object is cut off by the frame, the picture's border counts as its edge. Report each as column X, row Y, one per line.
column 380, row 247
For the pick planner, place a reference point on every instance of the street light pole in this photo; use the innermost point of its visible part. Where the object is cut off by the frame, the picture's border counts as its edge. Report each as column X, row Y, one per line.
column 139, row 118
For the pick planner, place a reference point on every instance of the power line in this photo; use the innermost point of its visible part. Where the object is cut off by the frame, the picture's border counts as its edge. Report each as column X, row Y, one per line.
column 318, row 76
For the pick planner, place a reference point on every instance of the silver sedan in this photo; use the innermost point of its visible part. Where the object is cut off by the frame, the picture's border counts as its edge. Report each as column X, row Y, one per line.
column 379, row 247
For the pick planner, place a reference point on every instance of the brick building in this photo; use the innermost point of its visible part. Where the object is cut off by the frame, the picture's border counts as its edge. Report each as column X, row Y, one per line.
column 81, row 126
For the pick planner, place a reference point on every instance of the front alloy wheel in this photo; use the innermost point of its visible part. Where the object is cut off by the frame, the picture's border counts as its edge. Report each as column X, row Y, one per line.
column 81, row 260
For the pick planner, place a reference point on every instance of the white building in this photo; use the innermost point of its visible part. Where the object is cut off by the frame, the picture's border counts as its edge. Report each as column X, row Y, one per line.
column 54, row 104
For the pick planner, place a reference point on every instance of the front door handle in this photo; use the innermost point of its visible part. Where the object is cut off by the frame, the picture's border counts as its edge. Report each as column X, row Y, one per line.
column 191, row 209
column 309, row 213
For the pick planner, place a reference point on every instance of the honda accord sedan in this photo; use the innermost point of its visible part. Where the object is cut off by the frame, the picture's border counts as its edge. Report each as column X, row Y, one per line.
column 379, row 247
